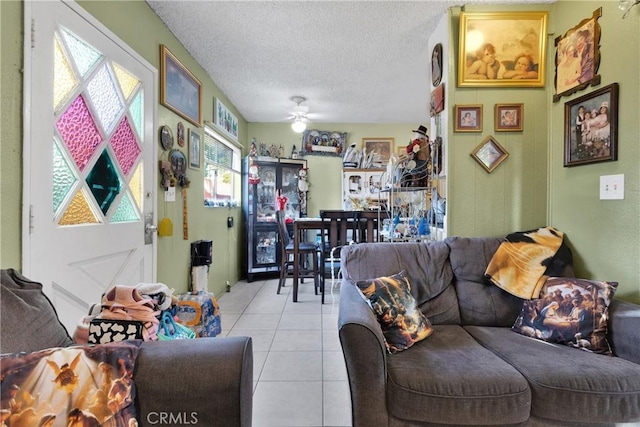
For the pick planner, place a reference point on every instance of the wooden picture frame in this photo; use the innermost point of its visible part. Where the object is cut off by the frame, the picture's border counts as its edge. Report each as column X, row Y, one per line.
column 509, row 117
column 489, row 154
column 225, row 119
column 468, row 118
column 502, row 49
column 436, row 103
column 590, row 139
column 578, row 57
column 194, row 150
column 180, row 90
column 384, row 146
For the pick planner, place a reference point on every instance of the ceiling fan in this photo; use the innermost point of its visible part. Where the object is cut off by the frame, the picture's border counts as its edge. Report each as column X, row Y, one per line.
column 299, row 114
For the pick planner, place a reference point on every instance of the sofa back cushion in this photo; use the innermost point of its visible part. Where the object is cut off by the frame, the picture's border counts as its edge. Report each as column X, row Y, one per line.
column 28, row 320
column 427, row 269
column 481, row 302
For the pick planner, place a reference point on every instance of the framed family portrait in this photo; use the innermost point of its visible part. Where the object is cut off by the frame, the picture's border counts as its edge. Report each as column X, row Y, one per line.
column 578, row 57
column 591, row 127
column 383, row 146
column 489, row 153
column 468, row 118
column 508, row 117
column 502, row 49
column 194, row 149
column 180, row 91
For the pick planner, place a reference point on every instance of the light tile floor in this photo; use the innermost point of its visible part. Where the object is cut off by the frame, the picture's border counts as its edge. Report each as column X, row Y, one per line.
column 299, row 373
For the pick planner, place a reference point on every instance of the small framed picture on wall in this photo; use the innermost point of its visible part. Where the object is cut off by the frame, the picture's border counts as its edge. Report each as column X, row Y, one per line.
column 468, row 118
column 508, row 117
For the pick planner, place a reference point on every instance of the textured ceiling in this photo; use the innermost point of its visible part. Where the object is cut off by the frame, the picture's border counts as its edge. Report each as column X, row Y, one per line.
column 354, row 61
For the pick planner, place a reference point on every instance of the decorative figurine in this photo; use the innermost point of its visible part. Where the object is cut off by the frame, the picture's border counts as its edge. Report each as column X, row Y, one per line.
column 254, row 177
column 294, row 152
column 281, row 200
column 253, row 151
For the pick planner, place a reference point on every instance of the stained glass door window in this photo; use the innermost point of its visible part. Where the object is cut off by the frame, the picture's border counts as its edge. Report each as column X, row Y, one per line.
column 97, row 155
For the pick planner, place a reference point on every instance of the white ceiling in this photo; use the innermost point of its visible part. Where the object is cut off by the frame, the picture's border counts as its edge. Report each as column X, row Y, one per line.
column 354, row 61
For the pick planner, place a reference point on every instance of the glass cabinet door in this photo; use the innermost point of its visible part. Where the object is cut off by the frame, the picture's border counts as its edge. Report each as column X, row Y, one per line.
column 289, row 185
column 266, row 243
column 265, row 196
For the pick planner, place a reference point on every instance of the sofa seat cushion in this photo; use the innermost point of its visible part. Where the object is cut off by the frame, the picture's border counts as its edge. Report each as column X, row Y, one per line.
column 568, row 384
column 451, row 379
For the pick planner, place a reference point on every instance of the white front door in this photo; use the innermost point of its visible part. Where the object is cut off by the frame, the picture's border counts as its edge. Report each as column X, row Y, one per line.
column 89, row 174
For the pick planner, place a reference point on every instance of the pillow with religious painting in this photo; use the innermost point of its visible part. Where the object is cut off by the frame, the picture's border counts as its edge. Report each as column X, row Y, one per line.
column 569, row 311
column 402, row 322
column 83, row 385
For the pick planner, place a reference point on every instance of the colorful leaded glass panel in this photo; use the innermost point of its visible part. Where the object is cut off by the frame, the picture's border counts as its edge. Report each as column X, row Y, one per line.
column 128, row 82
column 105, row 99
column 125, row 146
column 135, row 185
column 106, row 104
column 83, row 55
column 63, row 178
column 126, row 211
column 78, row 212
column 137, row 113
column 63, row 78
column 104, row 182
column 79, row 132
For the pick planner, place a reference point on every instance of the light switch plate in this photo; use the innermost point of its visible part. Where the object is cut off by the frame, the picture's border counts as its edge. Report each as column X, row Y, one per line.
column 170, row 195
column 612, row 187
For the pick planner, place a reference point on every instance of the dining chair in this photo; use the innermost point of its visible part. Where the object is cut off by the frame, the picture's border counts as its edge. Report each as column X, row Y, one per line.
column 339, row 229
column 368, row 226
column 305, row 249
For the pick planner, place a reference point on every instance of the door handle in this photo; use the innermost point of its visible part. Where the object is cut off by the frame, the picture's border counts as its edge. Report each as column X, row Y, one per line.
column 149, row 229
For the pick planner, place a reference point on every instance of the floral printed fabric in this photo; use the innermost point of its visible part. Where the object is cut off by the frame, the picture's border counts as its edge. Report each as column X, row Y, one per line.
column 402, row 323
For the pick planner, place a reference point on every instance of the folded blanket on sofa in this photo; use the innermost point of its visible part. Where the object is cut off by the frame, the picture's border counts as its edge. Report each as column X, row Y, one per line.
column 520, row 265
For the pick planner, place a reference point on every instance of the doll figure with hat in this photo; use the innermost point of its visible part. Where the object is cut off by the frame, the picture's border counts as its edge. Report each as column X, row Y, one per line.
column 420, row 153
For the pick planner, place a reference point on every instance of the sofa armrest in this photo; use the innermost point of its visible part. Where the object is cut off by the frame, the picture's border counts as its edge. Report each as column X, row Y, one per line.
column 624, row 329
column 365, row 356
column 204, row 381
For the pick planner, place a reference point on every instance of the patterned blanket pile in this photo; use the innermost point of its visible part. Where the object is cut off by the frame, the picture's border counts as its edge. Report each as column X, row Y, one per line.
column 522, row 264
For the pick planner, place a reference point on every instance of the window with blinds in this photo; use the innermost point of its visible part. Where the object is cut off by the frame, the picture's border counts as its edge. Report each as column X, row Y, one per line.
column 222, row 170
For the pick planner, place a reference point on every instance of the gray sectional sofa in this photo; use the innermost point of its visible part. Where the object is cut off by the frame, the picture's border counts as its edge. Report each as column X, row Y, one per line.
column 206, row 381
column 473, row 369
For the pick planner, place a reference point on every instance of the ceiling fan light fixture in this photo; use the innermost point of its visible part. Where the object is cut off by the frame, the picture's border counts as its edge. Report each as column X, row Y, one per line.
column 626, row 5
column 298, row 125
column 299, row 113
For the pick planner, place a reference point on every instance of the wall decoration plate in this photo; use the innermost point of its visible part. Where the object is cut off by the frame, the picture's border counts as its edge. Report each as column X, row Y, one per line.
column 178, row 162
column 166, row 138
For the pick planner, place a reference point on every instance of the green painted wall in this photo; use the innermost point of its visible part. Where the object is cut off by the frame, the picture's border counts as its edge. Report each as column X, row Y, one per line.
column 604, row 234
column 530, row 189
column 513, row 196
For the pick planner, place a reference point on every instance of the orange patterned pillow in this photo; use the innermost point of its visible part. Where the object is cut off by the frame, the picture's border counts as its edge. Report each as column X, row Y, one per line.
column 84, row 385
column 402, row 323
